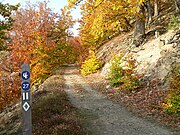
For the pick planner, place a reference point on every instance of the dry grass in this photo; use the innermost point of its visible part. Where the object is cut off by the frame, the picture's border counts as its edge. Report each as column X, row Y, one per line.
column 52, row 112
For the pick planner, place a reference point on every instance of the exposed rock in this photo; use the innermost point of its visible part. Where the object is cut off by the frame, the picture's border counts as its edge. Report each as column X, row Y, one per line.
column 113, row 47
column 154, row 58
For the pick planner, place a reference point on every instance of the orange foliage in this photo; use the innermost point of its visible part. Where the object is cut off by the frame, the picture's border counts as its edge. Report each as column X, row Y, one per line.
column 81, row 51
column 9, row 83
column 39, row 38
column 37, row 33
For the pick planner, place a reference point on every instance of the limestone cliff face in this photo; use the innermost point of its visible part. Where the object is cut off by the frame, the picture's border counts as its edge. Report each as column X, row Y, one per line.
column 155, row 58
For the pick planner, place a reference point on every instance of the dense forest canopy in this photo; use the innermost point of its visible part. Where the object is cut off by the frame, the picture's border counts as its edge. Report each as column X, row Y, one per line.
column 102, row 19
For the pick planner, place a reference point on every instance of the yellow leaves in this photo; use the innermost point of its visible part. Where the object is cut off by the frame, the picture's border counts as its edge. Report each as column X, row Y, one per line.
column 172, row 103
column 97, row 27
column 135, row 2
column 122, row 73
column 98, row 2
column 91, row 64
column 102, row 19
column 39, row 72
column 71, row 3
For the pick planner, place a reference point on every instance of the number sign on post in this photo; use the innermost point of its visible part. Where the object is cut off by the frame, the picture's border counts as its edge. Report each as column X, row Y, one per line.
column 26, row 100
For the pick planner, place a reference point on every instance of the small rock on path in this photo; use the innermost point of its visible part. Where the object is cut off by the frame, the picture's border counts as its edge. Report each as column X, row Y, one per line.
column 104, row 116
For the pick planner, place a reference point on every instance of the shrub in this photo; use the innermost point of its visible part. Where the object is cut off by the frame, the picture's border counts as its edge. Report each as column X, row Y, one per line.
column 91, row 64
column 122, row 73
column 172, row 104
column 174, row 22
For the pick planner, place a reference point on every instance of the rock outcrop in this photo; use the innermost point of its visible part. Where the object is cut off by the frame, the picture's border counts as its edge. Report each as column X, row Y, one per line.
column 155, row 58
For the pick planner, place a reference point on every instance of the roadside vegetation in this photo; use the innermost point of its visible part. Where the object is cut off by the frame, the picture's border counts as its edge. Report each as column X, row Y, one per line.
column 42, row 38
column 91, row 64
column 172, row 102
column 122, row 73
column 37, row 36
column 52, row 112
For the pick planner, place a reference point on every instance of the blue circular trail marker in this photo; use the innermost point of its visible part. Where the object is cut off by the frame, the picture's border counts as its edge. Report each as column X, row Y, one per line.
column 25, row 75
column 25, row 85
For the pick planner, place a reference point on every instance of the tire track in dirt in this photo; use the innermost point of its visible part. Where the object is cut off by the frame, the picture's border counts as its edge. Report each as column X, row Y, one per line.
column 105, row 117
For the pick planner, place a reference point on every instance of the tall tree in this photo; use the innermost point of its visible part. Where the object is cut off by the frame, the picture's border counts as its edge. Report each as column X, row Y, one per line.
column 103, row 18
column 139, row 31
column 39, row 38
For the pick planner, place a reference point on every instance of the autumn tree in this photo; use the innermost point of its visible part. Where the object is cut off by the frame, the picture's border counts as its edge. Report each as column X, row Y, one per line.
column 78, row 52
column 103, row 19
column 39, row 37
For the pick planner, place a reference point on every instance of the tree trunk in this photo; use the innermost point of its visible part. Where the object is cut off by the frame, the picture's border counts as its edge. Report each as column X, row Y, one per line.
column 149, row 11
column 156, row 8
column 129, row 26
column 139, row 27
column 139, row 32
column 177, row 4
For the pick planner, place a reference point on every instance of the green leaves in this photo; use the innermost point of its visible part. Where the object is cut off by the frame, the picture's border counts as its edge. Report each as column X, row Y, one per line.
column 122, row 74
column 6, row 22
column 172, row 104
column 174, row 22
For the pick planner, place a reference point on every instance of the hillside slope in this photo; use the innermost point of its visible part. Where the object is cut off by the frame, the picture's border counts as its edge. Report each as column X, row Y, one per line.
column 155, row 58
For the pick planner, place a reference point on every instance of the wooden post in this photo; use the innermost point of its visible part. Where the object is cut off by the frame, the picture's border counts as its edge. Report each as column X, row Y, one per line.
column 26, row 100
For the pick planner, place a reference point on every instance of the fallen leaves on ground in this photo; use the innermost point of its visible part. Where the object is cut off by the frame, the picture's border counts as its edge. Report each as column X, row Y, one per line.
column 53, row 113
column 146, row 102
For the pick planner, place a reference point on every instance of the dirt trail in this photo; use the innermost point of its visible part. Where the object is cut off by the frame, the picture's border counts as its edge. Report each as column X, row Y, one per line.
column 105, row 117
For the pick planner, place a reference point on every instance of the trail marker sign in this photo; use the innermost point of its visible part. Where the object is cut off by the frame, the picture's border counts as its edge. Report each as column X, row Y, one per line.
column 25, row 85
column 26, row 100
column 25, row 75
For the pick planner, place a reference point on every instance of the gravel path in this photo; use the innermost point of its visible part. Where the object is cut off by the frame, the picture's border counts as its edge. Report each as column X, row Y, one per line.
column 105, row 117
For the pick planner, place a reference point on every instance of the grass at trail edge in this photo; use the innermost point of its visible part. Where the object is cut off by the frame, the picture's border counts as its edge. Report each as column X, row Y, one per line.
column 52, row 113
